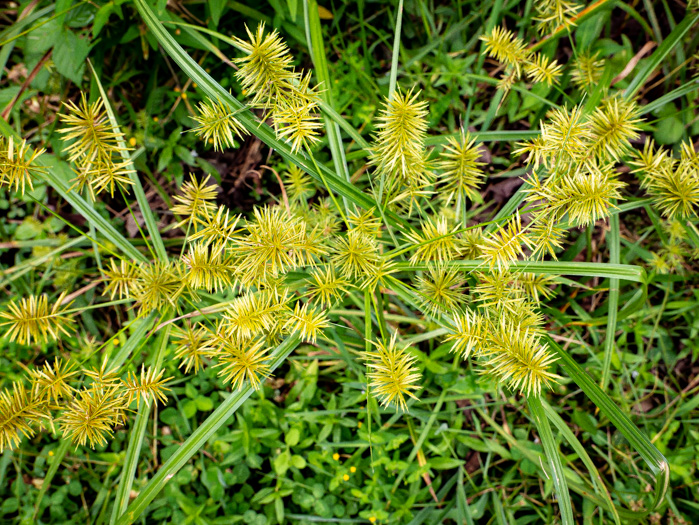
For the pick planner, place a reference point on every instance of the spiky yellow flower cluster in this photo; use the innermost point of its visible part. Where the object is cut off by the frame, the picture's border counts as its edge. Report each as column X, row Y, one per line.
column 392, row 373
column 575, row 181
column 671, row 183
column 587, row 70
column 85, row 415
column 31, row 319
column 267, row 73
column 17, row 165
column 95, row 147
column 555, row 14
column 504, row 46
column 504, row 333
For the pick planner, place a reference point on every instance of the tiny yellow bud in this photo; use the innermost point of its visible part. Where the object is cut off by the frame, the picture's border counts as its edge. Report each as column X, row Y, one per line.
column 353, row 469
column 132, row 141
column 115, row 342
column 194, row 85
column 51, row 453
column 359, row 424
column 336, row 456
column 184, row 95
column 345, row 477
column 177, row 89
column 155, row 119
column 372, row 519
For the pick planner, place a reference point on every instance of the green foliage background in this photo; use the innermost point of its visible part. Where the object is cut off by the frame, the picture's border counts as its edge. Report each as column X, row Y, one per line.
column 298, row 451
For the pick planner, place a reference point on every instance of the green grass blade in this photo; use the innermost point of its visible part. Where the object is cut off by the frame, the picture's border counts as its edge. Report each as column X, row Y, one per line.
column 685, row 89
column 62, row 186
column 627, row 272
column 485, row 136
column 393, row 80
column 199, row 437
column 573, row 441
column 320, row 65
column 134, row 341
column 638, row 441
column 261, row 130
column 656, row 59
column 136, row 438
column 148, row 217
column 553, row 457
column 614, row 257
column 58, row 456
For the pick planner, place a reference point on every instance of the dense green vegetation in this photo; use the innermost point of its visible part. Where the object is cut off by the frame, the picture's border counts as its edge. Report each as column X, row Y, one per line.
column 391, row 262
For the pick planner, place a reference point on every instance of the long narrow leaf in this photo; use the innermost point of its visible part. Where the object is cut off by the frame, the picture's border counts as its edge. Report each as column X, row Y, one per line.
column 136, row 438
column 553, row 457
column 320, row 66
column 148, row 217
column 614, row 257
column 627, row 272
column 199, row 437
column 639, row 441
column 656, row 59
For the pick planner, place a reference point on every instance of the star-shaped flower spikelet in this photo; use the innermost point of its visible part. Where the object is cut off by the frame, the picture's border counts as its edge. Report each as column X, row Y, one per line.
column 392, row 373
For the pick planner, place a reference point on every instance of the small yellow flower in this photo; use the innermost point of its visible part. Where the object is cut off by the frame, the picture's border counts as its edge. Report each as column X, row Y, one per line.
column 336, row 456
column 184, row 96
column 372, row 519
column 155, row 119
column 194, row 85
column 345, row 477
column 353, row 469
column 359, row 424
column 132, row 141
column 115, row 342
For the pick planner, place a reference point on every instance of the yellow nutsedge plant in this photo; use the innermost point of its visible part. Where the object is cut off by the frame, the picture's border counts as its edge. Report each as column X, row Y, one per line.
column 298, row 185
column 217, row 124
column 95, row 147
column 505, row 47
column 518, row 358
column 18, row 166
column 587, row 70
column 191, row 346
column 440, row 289
column 461, row 170
column 51, row 382
column 31, row 319
column 279, row 270
column 672, row 184
column 87, row 415
column 436, row 242
column 267, row 73
column 308, row 321
column 20, row 411
column 555, row 14
column 326, row 287
column 120, row 279
column 197, row 201
column 242, row 362
column 392, row 373
column 148, row 386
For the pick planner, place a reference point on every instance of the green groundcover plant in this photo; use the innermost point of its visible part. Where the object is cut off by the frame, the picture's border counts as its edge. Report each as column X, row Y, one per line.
column 364, row 267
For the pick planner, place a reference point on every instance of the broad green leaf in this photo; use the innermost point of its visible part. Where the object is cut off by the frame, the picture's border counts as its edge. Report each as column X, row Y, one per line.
column 69, row 56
